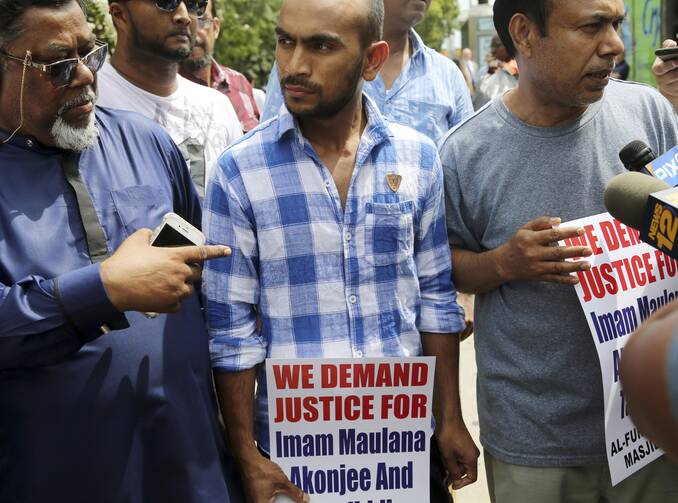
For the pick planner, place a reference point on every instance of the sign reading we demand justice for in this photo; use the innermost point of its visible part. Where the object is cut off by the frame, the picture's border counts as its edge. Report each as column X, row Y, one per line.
column 352, row 430
column 629, row 280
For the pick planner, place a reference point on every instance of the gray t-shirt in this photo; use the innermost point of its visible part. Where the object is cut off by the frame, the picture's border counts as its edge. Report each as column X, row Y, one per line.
column 540, row 394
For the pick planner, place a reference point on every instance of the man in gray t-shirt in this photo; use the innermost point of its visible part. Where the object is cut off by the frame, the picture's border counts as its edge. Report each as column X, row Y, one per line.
column 541, row 154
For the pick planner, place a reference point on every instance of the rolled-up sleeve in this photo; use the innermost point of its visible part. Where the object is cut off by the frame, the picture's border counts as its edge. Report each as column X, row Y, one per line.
column 440, row 312
column 231, row 285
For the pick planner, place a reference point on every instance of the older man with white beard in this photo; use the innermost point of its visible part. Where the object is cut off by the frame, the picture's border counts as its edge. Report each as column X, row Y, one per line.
column 88, row 415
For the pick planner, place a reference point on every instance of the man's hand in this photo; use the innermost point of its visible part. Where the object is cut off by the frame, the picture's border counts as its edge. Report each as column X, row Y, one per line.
column 141, row 277
column 666, row 74
column 264, row 480
column 532, row 254
column 459, row 453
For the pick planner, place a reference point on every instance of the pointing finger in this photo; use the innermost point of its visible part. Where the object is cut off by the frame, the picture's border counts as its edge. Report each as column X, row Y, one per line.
column 199, row 254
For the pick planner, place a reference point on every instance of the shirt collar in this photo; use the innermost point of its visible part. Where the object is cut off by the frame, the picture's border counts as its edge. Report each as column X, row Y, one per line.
column 417, row 43
column 27, row 143
column 376, row 126
column 219, row 75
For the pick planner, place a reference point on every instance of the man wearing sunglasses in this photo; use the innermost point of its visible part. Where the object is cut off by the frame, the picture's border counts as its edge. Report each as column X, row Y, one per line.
column 98, row 403
column 153, row 37
column 202, row 68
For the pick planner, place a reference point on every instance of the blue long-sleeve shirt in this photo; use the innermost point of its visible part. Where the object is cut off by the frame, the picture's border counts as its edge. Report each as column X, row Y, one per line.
column 127, row 416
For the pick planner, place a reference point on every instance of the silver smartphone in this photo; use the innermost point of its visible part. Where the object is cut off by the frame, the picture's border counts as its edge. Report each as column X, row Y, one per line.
column 175, row 231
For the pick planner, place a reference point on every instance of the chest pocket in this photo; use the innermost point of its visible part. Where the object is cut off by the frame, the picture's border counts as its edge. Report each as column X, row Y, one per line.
column 425, row 117
column 142, row 206
column 388, row 233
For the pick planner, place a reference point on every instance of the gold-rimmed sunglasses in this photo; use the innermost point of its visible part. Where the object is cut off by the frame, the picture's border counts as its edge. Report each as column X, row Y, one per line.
column 61, row 73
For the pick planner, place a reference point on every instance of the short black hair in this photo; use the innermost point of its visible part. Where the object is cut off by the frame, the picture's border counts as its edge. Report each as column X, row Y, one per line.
column 537, row 10
column 373, row 30
column 12, row 10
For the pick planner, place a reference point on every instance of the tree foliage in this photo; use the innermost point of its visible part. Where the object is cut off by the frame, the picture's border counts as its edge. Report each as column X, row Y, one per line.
column 247, row 39
column 440, row 21
column 100, row 21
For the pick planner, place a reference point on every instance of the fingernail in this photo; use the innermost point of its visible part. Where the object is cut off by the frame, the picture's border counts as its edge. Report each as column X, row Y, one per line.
column 556, row 221
column 588, row 252
column 581, row 231
column 587, row 266
column 307, row 498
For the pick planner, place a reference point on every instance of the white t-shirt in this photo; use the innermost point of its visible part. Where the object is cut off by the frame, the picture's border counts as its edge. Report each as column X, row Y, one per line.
column 200, row 120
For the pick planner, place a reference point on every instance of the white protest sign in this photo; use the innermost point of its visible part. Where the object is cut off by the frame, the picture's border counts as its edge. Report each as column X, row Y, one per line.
column 628, row 281
column 352, row 430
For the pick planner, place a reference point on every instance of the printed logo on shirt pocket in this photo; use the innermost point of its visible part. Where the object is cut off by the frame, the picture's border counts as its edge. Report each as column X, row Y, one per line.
column 388, row 233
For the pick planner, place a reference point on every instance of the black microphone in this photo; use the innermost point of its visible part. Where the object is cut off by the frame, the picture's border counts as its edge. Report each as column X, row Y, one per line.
column 648, row 205
column 636, row 156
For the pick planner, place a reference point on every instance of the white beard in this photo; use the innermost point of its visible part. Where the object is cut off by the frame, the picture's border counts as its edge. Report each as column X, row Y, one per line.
column 78, row 139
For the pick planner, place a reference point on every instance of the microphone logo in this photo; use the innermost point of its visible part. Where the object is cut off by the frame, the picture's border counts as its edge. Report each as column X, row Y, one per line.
column 663, row 228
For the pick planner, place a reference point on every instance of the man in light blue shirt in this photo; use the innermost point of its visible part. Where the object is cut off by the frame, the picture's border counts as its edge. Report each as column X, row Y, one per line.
column 336, row 219
column 417, row 86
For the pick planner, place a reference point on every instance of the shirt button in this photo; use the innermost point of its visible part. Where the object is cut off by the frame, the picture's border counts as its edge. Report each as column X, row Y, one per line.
column 348, row 236
column 353, row 299
column 328, row 183
column 359, row 353
column 29, row 143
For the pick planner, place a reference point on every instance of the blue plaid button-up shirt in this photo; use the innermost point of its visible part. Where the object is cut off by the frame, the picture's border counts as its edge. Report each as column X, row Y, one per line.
column 326, row 281
column 430, row 94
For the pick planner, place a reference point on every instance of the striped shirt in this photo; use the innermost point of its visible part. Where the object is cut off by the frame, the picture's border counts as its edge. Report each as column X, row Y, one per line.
column 430, row 94
column 361, row 281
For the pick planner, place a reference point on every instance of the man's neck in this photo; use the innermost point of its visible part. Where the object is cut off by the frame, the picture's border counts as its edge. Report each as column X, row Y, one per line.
column 399, row 50
column 331, row 134
column 147, row 71
column 526, row 104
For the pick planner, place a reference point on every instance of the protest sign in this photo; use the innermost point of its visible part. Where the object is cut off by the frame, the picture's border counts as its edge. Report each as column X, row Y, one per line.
column 352, row 430
column 628, row 281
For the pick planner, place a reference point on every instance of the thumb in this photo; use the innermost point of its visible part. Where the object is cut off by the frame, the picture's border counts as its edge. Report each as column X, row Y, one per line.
column 292, row 491
column 669, row 43
column 542, row 223
column 140, row 237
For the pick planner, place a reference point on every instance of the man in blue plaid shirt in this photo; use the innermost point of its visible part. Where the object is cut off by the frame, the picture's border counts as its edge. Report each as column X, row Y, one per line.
column 336, row 221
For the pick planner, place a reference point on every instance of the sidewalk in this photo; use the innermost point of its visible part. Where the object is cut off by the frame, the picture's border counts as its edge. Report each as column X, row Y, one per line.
column 475, row 493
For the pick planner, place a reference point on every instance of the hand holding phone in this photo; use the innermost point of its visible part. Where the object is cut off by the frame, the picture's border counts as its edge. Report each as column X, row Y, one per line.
column 153, row 279
column 667, row 53
column 665, row 70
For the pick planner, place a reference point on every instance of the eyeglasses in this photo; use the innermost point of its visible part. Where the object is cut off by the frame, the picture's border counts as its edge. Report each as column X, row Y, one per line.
column 61, row 73
column 194, row 7
column 204, row 22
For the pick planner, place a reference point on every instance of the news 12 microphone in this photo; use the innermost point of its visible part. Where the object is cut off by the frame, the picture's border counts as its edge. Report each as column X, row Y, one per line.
column 638, row 156
column 647, row 204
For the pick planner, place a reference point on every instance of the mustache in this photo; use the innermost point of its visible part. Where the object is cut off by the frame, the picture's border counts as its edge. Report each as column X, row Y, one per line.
column 293, row 80
column 607, row 68
column 83, row 99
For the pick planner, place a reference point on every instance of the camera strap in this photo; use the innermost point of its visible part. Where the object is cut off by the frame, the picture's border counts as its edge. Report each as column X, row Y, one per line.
column 97, row 247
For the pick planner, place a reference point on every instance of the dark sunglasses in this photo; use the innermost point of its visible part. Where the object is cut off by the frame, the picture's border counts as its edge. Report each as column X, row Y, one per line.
column 61, row 73
column 194, row 7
